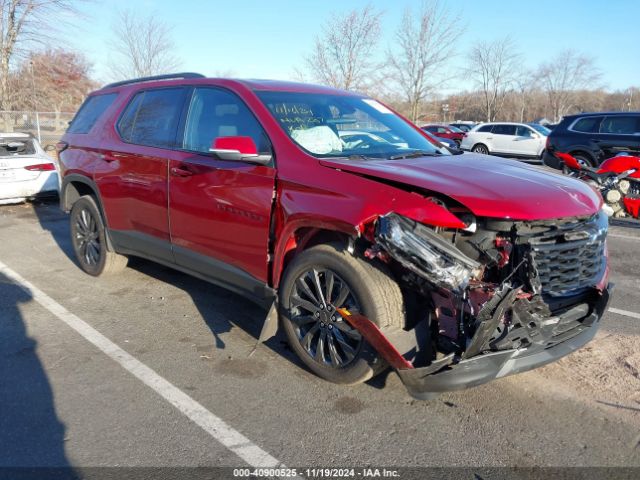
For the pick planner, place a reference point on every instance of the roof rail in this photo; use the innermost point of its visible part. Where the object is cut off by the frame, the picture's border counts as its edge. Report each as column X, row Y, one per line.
column 169, row 76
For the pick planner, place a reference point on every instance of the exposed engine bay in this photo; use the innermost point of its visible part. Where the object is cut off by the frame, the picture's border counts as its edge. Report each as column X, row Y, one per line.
column 496, row 286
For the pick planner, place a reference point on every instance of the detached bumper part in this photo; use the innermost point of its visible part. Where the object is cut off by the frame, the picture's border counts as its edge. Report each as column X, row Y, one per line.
column 426, row 382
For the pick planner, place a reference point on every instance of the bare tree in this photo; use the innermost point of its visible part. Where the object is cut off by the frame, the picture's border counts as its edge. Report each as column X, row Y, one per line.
column 524, row 87
column 342, row 55
column 425, row 44
column 23, row 24
column 142, row 47
column 492, row 65
column 563, row 76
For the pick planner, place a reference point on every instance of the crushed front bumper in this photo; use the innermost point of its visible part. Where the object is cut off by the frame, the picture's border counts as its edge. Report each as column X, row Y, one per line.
column 425, row 383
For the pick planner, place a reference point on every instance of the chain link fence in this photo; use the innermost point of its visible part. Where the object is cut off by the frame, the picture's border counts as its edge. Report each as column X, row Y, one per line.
column 47, row 127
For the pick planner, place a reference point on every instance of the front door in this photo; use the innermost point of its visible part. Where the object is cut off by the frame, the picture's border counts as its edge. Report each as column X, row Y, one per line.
column 219, row 210
column 526, row 142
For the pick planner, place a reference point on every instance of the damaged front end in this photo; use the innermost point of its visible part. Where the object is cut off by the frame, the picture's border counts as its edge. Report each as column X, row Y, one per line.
column 496, row 298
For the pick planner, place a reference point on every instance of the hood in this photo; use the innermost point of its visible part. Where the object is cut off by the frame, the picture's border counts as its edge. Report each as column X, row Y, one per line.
column 488, row 186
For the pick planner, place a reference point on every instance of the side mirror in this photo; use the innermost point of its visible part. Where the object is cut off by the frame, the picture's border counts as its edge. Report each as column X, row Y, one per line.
column 238, row 149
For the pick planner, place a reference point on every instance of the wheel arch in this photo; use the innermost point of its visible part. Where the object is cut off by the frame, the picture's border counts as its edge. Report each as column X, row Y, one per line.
column 302, row 236
column 75, row 186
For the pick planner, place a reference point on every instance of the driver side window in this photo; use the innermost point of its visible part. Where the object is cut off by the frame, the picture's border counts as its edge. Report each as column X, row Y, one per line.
column 215, row 113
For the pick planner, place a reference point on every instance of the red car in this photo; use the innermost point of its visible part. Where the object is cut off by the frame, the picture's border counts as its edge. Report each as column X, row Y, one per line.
column 445, row 131
column 370, row 250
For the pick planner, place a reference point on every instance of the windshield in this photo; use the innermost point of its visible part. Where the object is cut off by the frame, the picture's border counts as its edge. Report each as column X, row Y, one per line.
column 345, row 126
column 455, row 129
column 541, row 129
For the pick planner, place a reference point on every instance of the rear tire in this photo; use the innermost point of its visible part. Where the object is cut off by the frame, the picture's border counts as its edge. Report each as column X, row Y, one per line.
column 324, row 342
column 583, row 159
column 480, row 148
column 89, row 241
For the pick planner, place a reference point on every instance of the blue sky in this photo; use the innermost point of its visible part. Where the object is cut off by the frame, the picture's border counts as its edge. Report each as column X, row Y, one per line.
column 269, row 39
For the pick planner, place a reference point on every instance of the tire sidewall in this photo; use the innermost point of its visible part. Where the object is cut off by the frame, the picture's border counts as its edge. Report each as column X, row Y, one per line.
column 87, row 203
column 368, row 362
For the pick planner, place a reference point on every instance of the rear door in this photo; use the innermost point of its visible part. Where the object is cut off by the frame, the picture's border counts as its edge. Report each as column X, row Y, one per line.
column 132, row 173
column 619, row 133
column 220, row 210
column 503, row 138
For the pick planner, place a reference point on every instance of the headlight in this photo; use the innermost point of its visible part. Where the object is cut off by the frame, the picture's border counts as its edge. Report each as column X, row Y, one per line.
column 424, row 252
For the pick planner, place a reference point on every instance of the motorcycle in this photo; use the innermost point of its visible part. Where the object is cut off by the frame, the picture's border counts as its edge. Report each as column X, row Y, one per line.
column 617, row 179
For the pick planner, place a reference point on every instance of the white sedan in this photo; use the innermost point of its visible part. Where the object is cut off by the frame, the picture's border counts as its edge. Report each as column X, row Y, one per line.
column 520, row 140
column 26, row 171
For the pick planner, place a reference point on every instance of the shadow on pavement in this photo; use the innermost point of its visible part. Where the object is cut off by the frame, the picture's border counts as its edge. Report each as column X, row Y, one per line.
column 31, row 435
column 220, row 309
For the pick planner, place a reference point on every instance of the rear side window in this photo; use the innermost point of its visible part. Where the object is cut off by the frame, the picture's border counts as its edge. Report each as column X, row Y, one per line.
column 587, row 125
column 485, row 129
column 217, row 113
column 620, row 125
column 504, row 130
column 523, row 131
column 90, row 112
column 151, row 118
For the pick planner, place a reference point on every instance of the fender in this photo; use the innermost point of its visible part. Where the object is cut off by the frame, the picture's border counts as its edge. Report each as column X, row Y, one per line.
column 66, row 203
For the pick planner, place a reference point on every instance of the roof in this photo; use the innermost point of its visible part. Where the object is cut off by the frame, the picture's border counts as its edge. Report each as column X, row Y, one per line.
column 253, row 84
column 588, row 114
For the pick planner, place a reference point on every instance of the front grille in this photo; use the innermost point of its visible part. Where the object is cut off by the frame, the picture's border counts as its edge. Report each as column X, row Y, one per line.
column 570, row 260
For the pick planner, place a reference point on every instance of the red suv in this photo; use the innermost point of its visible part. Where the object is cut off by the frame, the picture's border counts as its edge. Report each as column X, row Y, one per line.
column 445, row 131
column 371, row 249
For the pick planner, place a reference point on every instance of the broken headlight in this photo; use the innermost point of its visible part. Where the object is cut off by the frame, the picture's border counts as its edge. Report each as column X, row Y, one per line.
column 425, row 253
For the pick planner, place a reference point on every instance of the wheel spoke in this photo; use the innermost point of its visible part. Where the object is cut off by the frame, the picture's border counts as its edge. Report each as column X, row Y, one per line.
column 319, row 356
column 296, row 301
column 333, row 352
column 346, row 348
column 302, row 286
column 306, row 340
column 328, row 280
column 342, row 295
column 301, row 320
column 347, row 329
column 316, row 283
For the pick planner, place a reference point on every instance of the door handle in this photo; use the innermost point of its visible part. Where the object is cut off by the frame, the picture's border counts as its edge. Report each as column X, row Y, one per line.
column 180, row 171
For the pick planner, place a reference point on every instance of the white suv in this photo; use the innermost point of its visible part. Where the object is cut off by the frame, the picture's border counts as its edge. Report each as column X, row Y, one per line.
column 510, row 139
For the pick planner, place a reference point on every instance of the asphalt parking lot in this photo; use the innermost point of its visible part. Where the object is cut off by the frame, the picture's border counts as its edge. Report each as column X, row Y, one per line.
column 152, row 368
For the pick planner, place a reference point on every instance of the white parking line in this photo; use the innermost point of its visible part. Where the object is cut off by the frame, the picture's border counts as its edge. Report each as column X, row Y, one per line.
column 213, row 425
column 626, row 313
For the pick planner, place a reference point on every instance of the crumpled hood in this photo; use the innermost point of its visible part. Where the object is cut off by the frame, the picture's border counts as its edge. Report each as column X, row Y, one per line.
column 488, row 186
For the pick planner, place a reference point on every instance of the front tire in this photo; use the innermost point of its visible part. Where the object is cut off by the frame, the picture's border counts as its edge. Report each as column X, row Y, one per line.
column 89, row 241
column 316, row 283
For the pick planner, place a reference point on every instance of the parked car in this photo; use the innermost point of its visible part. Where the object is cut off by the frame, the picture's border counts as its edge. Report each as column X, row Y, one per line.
column 444, row 141
column 518, row 140
column 594, row 137
column 464, row 127
column 445, row 131
column 445, row 267
column 26, row 171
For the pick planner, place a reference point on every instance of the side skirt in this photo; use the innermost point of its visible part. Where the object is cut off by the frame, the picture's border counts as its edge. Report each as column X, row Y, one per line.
column 194, row 264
